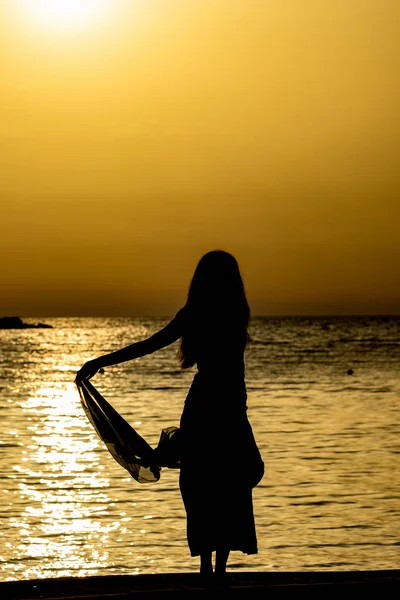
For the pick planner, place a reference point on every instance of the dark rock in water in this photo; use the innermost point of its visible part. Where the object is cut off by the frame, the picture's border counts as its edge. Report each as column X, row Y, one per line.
column 11, row 323
column 17, row 323
column 350, row 372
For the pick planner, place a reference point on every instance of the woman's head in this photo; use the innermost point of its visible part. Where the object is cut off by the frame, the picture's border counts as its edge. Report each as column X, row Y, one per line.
column 216, row 296
column 216, row 280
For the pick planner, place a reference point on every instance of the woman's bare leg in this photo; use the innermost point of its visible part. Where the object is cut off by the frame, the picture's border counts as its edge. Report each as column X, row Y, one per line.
column 206, row 563
column 221, row 558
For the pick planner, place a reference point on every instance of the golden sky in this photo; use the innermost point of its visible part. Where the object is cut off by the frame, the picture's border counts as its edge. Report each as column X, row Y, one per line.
column 139, row 134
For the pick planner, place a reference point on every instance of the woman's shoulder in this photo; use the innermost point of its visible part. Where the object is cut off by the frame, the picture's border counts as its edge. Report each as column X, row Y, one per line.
column 183, row 315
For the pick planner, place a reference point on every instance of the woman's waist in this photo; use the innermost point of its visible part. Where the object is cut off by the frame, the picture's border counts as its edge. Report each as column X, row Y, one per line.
column 216, row 414
column 208, row 391
column 211, row 382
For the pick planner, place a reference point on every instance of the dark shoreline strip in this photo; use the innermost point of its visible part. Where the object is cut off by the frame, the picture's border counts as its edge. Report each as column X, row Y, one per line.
column 254, row 584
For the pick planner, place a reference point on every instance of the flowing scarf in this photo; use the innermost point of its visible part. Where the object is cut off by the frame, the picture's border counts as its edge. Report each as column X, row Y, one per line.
column 127, row 447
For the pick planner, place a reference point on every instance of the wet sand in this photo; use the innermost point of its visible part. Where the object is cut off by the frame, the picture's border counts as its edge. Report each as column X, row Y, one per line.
column 245, row 584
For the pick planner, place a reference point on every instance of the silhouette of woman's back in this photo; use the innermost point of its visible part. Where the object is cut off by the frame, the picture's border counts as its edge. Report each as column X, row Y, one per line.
column 220, row 461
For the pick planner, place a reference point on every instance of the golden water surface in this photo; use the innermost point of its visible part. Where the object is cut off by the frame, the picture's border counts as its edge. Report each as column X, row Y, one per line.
column 329, row 498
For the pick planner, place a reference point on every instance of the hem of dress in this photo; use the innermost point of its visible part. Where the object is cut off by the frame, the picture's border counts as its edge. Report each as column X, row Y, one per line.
column 194, row 554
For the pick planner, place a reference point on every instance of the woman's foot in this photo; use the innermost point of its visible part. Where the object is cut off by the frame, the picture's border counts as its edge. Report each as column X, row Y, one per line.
column 206, row 570
column 207, row 579
column 221, row 558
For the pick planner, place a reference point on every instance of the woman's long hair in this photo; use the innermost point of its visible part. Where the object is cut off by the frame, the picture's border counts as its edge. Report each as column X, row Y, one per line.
column 216, row 302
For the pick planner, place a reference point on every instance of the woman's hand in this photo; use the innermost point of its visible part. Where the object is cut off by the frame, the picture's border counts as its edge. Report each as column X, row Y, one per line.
column 88, row 370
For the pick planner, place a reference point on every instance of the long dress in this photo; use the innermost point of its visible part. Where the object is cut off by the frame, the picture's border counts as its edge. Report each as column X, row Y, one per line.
column 220, row 460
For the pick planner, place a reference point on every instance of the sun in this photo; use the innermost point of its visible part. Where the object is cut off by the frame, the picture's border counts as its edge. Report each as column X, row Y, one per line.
column 65, row 15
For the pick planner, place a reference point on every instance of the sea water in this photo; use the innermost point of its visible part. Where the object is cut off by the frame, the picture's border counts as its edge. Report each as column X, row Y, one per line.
column 323, row 397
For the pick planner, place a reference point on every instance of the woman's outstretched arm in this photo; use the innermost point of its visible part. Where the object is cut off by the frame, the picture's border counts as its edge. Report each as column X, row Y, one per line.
column 166, row 336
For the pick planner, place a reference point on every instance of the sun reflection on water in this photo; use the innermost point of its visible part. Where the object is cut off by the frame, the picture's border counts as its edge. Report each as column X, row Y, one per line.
column 61, row 488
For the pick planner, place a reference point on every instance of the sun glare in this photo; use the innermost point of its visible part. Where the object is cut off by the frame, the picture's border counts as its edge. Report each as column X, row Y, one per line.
column 66, row 14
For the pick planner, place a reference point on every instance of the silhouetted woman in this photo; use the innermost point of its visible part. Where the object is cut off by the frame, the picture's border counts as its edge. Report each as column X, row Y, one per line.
column 220, row 461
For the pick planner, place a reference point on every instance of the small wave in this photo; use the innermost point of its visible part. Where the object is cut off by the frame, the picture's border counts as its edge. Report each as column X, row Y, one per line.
column 164, row 387
column 170, row 372
column 349, row 388
column 269, row 343
column 340, row 527
column 369, row 341
column 6, row 445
